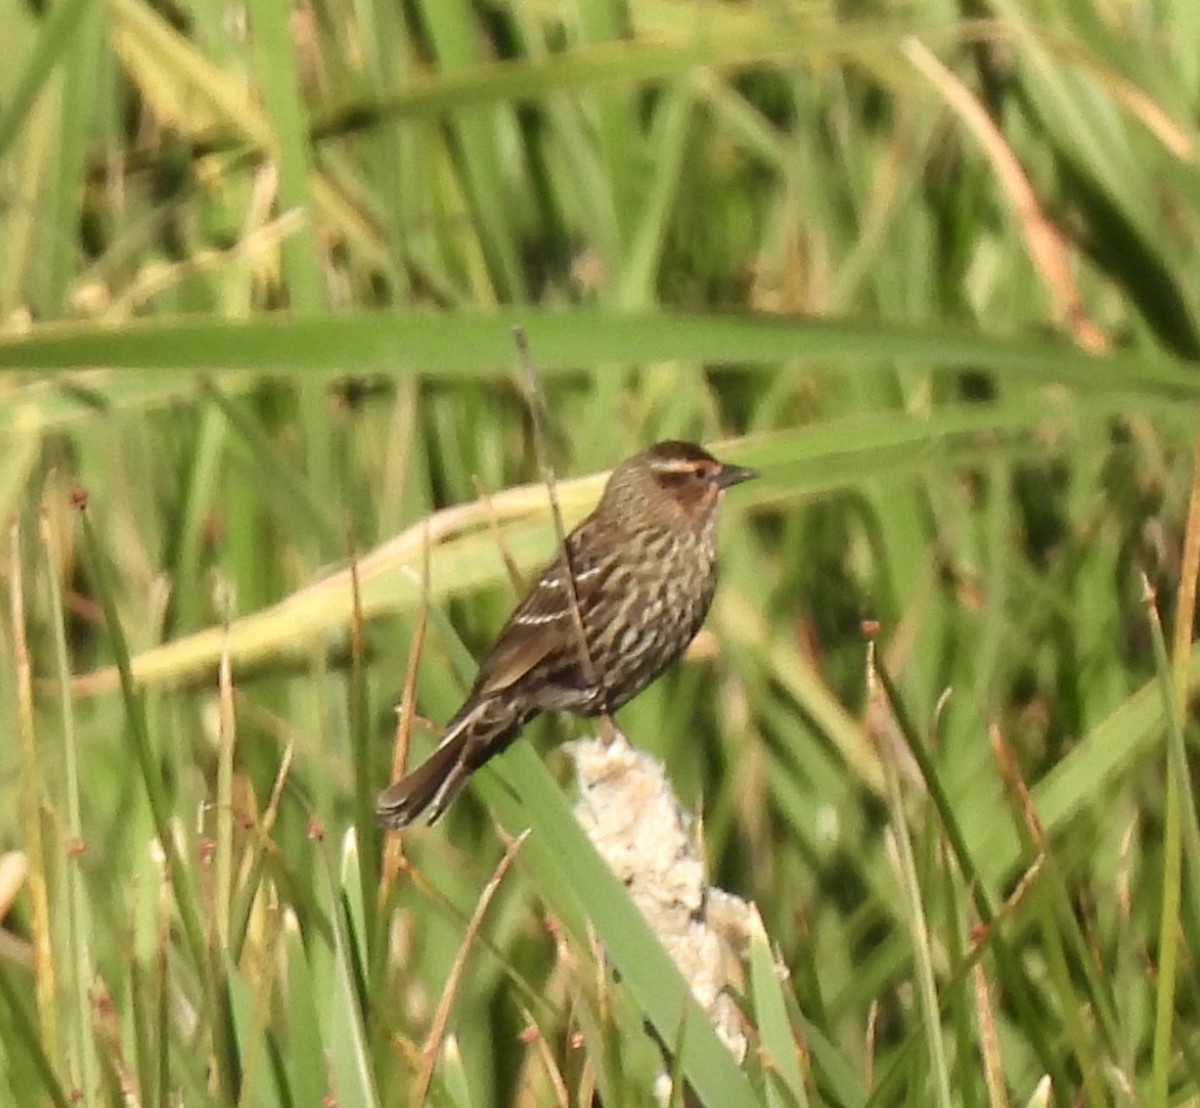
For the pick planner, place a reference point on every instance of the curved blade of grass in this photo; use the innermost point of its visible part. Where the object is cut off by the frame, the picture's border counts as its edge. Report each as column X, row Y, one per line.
column 730, row 44
column 389, row 579
column 473, row 345
column 463, row 553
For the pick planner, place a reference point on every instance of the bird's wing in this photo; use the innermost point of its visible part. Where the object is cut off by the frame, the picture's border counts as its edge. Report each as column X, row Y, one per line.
column 542, row 625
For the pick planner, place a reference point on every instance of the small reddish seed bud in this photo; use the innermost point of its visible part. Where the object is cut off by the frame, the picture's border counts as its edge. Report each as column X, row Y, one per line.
column 79, row 498
column 213, row 528
column 315, row 830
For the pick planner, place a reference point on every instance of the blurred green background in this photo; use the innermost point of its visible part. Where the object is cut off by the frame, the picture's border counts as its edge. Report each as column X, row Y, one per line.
column 930, row 266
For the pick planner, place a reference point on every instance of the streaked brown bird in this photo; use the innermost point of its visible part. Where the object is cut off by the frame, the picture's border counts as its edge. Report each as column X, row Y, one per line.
column 644, row 565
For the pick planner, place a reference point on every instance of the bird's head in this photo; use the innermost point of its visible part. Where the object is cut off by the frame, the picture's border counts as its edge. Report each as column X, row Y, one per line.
column 675, row 482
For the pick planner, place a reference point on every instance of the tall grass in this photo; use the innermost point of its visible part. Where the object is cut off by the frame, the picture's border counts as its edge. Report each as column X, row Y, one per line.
column 927, row 266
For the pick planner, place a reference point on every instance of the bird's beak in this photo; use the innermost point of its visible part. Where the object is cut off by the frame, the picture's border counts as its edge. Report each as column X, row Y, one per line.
column 729, row 475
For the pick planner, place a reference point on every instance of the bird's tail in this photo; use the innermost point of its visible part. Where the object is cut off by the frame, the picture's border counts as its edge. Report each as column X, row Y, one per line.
column 434, row 784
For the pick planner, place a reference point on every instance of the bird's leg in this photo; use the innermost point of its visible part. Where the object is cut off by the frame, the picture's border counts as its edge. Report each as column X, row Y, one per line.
column 609, row 731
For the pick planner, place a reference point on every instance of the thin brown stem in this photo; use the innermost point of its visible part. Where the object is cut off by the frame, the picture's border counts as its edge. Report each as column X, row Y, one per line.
column 537, row 413
column 514, row 574
column 441, row 1017
column 393, row 855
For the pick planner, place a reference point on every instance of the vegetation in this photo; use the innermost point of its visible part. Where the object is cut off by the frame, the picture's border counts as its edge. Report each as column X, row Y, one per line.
column 929, row 266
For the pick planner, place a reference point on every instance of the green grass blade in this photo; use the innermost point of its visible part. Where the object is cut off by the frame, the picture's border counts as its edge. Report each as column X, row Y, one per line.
column 779, row 1060
column 474, row 345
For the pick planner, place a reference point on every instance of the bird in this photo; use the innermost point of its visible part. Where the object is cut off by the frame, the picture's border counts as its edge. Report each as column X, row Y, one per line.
column 644, row 568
